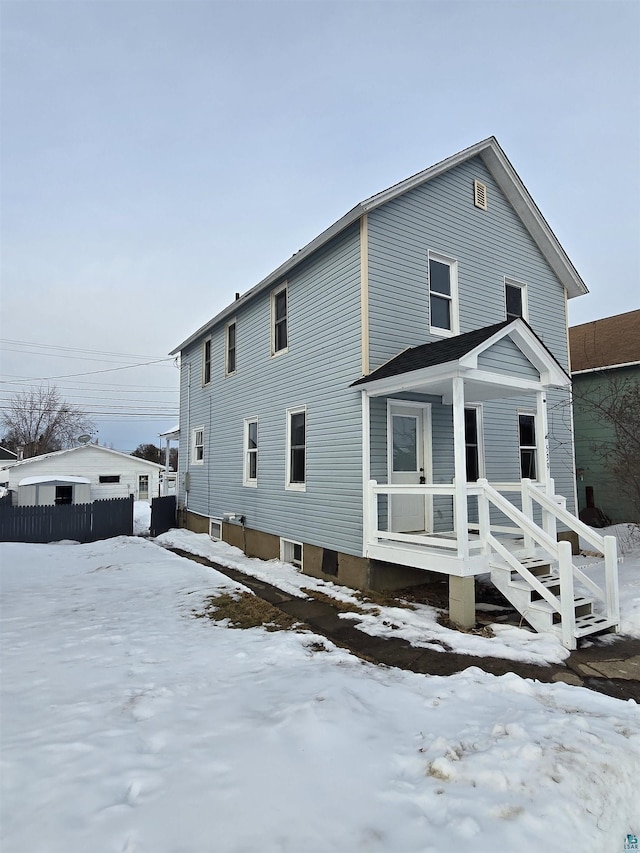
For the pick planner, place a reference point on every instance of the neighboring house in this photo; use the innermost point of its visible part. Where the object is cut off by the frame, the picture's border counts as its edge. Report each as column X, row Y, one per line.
column 80, row 475
column 605, row 362
column 344, row 413
column 7, row 455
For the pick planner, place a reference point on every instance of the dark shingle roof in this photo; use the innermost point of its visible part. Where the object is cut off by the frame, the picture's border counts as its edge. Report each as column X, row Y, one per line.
column 428, row 355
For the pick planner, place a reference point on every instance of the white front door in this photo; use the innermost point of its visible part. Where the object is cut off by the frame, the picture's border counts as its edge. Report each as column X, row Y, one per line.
column 409, row 457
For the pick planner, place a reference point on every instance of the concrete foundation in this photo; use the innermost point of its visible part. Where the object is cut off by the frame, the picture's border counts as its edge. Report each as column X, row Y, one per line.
column 462, row 601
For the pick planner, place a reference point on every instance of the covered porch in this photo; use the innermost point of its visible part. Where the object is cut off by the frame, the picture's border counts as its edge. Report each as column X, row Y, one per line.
column 457, row 522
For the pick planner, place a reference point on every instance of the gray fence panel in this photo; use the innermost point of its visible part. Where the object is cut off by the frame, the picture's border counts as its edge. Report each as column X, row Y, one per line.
column 112, row 518
column 80, row 522
column 163, row 514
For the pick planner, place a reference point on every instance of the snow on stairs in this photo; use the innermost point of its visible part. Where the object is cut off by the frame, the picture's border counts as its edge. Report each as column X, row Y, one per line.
column 540, row 614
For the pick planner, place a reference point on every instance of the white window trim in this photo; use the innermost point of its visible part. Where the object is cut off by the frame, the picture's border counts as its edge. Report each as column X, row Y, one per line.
column 455, row 308
column 194, row 433
column 204, row 344
column 215, row 523
column 228, row 372
column 531, row 413
column 274, row 293
column 296, row 487
column 246, row 480
column 480, row 436
column 525, row 302
column 286, row 553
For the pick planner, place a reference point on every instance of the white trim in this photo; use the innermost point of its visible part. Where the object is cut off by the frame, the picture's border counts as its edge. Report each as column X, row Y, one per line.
column 605, row 367
column 272, row 303
column 228, row 325
column 289, row 486
column 246, row 479
column 524, row 295
column 367, row 521
column 194, row 445
column 218, row 522
column 204, row 382
column 287, row 552
column 454, row 308
column 364, row 292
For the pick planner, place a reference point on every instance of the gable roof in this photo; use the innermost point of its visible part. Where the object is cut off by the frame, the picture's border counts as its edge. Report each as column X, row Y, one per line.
column 460, row 353
column 609, row 342
column 7, row 455
column 505, row 176
column 54, row 453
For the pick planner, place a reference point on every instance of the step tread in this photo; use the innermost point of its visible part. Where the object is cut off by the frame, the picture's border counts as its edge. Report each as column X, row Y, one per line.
column 541, row 604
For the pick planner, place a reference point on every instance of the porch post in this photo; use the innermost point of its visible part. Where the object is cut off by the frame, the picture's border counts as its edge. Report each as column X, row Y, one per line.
column 543, row 460
column 366, row 472
column 460, row 470
column 165, row 482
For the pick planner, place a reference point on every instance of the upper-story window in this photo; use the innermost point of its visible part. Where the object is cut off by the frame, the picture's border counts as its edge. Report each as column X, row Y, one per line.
column 197, row 446
column 279, row 312
column 206, row 362
column 230, row 348
column 515, row 298
column 443, row 295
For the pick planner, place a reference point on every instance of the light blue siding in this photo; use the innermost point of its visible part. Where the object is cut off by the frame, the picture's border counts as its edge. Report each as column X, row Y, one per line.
column 323, row 359
column 505, row 357
column 488, row 246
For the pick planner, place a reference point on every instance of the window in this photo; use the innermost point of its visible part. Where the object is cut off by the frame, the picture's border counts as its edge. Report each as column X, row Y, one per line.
column 206, row 362
column 143, row 487
column 515, row 297
column 291, row 552
column 527, row 439
column 197, row 446
column 230, row 348
column 215, row 529
column 279, row 336
column 473, row 442
column 109, row 478
column 296, row 449
column 443, row 295
column 250, row 477
column 64, row 495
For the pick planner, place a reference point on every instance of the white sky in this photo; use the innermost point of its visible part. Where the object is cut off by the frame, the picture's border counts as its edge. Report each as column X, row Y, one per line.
column 159, row 157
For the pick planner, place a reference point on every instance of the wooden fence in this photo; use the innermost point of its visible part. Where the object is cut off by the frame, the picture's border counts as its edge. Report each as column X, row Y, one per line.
column 80, row 522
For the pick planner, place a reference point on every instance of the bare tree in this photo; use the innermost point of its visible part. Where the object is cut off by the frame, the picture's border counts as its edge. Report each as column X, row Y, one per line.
column 615, row 402
column 40, row 421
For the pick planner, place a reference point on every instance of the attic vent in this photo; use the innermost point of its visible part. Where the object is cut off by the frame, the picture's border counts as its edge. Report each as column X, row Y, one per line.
column 480, row 195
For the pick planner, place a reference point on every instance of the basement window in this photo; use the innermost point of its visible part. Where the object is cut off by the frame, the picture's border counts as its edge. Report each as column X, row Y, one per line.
column 291, row 552
column 215, row 529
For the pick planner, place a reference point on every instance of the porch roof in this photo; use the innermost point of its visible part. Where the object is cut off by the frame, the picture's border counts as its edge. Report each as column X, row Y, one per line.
column 429, row 368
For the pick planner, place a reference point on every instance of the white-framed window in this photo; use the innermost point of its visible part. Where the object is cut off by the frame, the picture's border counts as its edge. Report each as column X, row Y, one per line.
column 143, row 487
column 197, row 446
column 230, row 348
column 279, row 320
column 250, row 472
column 443, row 295
column 215, row 529
column 291, row 552
column 527, row 443
column 473, row 443
column 206, row 361
column 515, row 299
column 297, row 449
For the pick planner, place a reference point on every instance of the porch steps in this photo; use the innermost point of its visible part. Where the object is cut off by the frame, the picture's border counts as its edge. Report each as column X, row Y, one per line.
column 539, row 613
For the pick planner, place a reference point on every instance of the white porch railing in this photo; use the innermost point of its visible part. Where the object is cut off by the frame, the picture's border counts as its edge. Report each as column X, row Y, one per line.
column 458, row 546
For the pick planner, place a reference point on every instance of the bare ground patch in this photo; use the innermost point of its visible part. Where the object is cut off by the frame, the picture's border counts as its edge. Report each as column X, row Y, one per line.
column 244, row 610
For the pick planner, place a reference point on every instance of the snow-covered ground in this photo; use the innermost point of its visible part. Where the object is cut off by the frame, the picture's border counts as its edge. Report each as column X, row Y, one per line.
column 129, row 725
column 419, row 625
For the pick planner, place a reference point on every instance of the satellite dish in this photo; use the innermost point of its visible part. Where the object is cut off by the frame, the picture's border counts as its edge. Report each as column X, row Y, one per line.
column 83, row 439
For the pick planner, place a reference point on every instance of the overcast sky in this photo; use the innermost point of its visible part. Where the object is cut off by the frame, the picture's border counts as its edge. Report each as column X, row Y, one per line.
column 159, row 157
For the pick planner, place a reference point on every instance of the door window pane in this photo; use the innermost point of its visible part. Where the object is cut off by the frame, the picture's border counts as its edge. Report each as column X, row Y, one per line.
column 405, row 443
column 527, row 434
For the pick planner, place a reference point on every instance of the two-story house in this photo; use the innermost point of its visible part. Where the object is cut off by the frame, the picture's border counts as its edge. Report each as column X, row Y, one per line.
column 394, row 398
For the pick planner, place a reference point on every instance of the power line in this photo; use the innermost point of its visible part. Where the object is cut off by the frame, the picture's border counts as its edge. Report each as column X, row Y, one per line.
column 75, row 349
column 88, row 372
